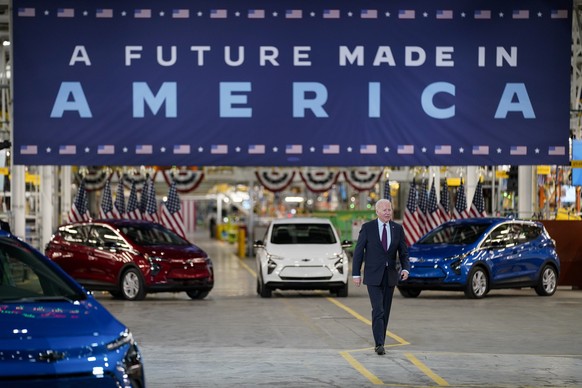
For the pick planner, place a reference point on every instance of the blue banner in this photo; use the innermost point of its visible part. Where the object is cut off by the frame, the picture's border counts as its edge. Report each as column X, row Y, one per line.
column 291, row 83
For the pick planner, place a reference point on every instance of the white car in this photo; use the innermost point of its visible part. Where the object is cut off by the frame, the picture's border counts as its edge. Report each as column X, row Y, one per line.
column 301, row 254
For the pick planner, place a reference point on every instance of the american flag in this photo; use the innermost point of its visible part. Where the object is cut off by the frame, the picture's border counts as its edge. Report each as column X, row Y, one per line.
column 133, row 211
column 79, row 211
column 171, row 215
column 151, row 208
column 119, row 205
column 460, row 209
column 143, row 203
column 387, row 194
column 106, row 208
column 422, row 206
column 478, row 205
column 433, row 214
column 445, row 203
column 409, row 222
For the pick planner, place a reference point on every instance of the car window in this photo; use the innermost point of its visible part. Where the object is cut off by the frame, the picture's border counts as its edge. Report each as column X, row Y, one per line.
column 458, row 234
column 74, row 234
column 525, row 233
column 24, row 275
column 302, row 234
column 151, row 235
column 502, row 236
column 100, row 236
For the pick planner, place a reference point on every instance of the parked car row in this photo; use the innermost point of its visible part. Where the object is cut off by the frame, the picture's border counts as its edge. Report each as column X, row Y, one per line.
column 53, row 331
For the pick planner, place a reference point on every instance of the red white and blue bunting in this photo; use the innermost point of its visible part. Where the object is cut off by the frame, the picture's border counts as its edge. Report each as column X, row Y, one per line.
column 319, row 180
column 187, row 180
column 275, row 180
column 364, row 178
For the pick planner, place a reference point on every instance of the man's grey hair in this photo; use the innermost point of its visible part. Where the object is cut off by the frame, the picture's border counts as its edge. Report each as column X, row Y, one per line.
column 382, row 201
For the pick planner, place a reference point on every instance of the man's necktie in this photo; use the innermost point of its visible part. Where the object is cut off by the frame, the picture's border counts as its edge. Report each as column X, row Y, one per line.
column 384, row 238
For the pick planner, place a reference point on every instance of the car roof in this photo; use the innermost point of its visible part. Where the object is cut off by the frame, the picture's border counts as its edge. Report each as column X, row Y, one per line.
column 301, row 220
column 112, row 222
column 489, row 221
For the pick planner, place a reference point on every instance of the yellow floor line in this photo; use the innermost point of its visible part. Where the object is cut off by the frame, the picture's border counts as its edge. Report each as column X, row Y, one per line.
column 360, row 368
column 401, row 341
column 426, row 370
column 245, row 266
column 396, row 338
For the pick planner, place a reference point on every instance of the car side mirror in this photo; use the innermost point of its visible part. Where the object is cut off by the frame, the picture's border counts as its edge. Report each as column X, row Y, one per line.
column 258, row 244
column 347, row 243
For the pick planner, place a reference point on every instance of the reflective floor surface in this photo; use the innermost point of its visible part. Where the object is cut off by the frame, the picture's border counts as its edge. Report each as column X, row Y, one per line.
column 511, row 338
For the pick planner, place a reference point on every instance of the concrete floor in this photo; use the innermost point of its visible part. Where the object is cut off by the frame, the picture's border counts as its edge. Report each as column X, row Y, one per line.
column 511, row 338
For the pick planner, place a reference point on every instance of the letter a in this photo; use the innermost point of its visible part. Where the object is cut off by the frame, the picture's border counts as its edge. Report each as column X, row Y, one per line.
column 78, row 102
column 522, row 105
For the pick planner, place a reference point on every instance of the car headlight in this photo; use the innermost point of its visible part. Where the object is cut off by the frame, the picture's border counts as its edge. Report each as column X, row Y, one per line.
column 271, row 265
column 154, row 263
column 131, row 367
column 124, row 338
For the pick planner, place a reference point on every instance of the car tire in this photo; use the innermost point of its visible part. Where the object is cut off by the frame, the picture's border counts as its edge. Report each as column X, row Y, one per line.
column 263, row 290
column 409, row 292
column 477, row 283
column 132, row 285
column 548, row 281
column 341, row 292
column 197, row 294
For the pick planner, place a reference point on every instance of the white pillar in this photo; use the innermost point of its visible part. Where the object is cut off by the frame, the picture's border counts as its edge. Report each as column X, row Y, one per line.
column 471, row 183
column 18, row 201
column 46, row 204
column 525, row 184
column 66, row 182
column 251, row 220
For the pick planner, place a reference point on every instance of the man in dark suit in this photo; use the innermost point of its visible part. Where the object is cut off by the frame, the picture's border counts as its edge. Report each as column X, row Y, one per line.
column 380, row 244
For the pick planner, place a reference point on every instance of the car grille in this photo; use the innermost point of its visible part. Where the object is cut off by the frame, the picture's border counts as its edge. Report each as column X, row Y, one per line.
column 305, row 273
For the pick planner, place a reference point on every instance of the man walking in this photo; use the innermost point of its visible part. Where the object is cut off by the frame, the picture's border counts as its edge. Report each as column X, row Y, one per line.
column 380, row 244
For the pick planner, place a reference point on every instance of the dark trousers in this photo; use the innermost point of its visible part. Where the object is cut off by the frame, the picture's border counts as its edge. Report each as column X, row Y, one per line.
column 381, row 300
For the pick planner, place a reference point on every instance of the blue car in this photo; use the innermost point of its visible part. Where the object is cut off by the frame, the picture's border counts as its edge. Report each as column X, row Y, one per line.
column 476, row 255
column 53, row 333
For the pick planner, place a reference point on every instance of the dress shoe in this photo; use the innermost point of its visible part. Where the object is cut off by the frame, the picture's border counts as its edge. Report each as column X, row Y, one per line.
column 380, row 350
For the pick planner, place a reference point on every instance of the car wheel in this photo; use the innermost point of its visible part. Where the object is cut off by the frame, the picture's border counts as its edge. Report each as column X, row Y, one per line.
column 263, row 290
column 132, row 285
column 477, row 283
column 341, row 292
column 548, row 281
column 197, row 294
column 409, row 292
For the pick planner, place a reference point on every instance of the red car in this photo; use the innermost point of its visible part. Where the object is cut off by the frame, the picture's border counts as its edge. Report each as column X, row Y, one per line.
column 130, row 258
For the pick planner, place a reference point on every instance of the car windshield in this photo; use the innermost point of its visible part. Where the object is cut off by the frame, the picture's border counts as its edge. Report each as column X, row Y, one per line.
column 457, row 234
column 152, row 235
column 25, row 277
column 302, row 234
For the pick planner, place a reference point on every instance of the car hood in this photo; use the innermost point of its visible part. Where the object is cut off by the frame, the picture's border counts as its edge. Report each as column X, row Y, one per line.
column 437, row 252
column 48, row 323
column 173, row 251
column 302, row 251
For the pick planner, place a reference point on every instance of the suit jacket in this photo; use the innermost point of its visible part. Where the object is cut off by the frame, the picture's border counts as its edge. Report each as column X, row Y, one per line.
column 369, row 250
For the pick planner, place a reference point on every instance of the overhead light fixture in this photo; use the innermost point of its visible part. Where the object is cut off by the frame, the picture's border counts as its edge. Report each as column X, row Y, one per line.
column 294, row 199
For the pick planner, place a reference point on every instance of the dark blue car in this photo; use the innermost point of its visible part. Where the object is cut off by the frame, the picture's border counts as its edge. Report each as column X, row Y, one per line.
column 53, row 333
column 476, row 255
